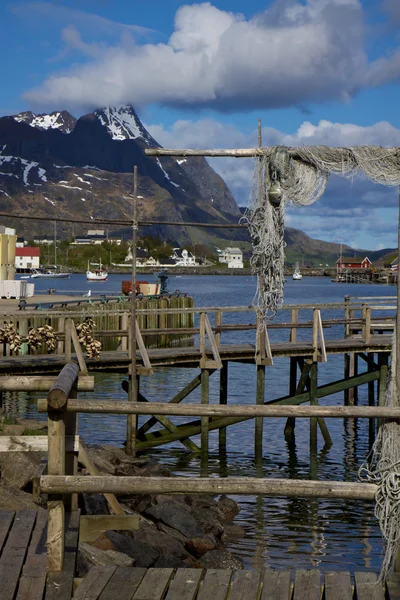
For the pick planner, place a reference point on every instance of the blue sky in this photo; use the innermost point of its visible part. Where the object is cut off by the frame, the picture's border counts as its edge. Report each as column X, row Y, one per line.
column 200, row 74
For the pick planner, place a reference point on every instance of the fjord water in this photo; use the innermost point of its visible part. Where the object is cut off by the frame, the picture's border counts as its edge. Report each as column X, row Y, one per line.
column 280, row 532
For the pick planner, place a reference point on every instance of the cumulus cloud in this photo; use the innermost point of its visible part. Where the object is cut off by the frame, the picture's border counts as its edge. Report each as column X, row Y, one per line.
column 393, row 8
column 360, row 210
column 293, row 53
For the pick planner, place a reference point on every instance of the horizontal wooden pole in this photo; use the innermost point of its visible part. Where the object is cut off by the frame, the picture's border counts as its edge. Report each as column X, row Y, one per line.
column 40, row 383
column 233, row 410
column 34, row 443
column 233, row 153
column 69, row 484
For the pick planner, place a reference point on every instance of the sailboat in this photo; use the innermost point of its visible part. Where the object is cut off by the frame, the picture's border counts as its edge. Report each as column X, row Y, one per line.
column 99, row 274
column 296, row 274
column 52, row 272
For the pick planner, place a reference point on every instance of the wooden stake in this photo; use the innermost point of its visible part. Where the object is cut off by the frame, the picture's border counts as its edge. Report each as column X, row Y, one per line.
column 133, row 392
column 223, row 400
column 205, row 396
column 259, row 422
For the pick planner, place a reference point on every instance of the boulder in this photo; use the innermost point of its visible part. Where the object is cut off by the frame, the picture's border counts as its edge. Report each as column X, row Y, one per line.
column 228, row 508
column 12, row 498
column 19, row 468
column 209, row 521
column 175, row 515
column 221, row 559
column 233, row 532
column 200, row 545
column 142, row 553
column 90, row 556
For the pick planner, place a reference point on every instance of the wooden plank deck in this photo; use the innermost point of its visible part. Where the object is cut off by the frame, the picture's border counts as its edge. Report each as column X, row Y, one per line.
column 189, row 356
column 129, row 583
column 23, row 574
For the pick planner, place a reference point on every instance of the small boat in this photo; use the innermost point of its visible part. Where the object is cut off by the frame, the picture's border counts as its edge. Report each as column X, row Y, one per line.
column 48, row 274
column 99, row 274
column 297, row 275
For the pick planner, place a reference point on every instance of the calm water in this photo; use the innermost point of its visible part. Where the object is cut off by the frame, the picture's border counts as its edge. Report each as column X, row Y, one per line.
column 301, row 533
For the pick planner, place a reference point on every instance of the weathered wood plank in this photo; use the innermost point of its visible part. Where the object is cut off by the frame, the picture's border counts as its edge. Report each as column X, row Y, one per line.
column 34, row 443
column 154, row 584
column 307, row 585
column 87, row 462
column 184, row 585
column 338, row 586
column 6, row 519
column 91, row 526
column 367, row 586
column 123, row 584
column 37, row 545
column 393, row 587
column 276, row 585
column 94, row 583
column 245, row 585
column 59, row 586
column 33, row 580
column 14, row 552
column 215, row 584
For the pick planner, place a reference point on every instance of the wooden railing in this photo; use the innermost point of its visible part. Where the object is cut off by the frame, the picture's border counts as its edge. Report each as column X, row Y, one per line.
column 62, row 482
column 359, row 319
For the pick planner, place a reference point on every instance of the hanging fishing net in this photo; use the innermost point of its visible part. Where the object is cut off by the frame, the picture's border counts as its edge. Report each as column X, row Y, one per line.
column 299, row 176
column 382, row 467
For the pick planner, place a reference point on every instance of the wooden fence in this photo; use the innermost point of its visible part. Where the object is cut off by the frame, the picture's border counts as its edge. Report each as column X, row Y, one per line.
column 62, row 483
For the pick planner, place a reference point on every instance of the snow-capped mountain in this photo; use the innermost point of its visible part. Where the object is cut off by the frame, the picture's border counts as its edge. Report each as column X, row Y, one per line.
column 57, row 165
column 63, row 121
column 122, row 123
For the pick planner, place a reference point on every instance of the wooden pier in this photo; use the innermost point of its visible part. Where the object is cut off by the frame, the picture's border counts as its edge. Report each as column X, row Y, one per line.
column 364, row 335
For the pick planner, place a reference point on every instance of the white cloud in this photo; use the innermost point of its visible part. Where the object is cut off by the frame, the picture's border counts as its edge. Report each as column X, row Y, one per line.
column 292, row 53
column 363, row 210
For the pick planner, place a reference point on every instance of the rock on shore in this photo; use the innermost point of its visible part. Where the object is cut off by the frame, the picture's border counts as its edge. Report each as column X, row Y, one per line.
column 187, row 530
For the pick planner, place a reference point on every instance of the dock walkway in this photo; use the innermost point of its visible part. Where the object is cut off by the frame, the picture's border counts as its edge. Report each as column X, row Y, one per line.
column 23, row 575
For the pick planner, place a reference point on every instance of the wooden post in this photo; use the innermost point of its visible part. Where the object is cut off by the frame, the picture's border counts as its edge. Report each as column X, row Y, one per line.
column 259, row 421
column 61, row 328
column 371, row 398
column 367, row 325
column 223, row 399
column 291, row 421
column 351, row 373
column 313, row 402
column 68, row 339
column 218, row 323
column 71, row 457
column 205, row 376
column 383, row 360
column 124, row 328
column 293, row 331
column 133, row 393
column 315, row 334
column 55, row 502
column 23, row 332
column 346, row 375
column 347, row 316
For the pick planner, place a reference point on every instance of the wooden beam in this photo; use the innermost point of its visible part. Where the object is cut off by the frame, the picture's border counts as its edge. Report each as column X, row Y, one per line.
column 91, row 526
column 199, row 485
column 40, row 383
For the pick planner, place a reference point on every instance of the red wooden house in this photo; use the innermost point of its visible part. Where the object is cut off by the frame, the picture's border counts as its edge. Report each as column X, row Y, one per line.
column 353, row 262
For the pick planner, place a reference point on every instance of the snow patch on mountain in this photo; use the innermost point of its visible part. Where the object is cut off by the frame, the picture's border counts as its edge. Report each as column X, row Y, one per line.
column 122, row 123
column 24, row 167
column 48, row 200
column 166, row 174
column 61, row 120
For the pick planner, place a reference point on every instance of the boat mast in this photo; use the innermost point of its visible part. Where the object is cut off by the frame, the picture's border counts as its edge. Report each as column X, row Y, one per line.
column 55, row 243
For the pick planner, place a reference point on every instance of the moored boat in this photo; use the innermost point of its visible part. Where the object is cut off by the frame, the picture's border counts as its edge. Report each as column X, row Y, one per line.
column 99, row 274
column 48, row 274
column 296, row 274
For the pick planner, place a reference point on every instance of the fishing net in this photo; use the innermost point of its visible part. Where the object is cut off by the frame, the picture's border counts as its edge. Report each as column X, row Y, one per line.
column 382, row 467
column 300, row 176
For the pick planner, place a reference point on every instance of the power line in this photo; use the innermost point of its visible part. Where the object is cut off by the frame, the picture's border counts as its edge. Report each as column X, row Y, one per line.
column 126, row 223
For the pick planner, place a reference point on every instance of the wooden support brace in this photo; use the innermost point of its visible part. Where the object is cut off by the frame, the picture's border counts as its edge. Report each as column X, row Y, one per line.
column 143, row 351
column 206, row 329
column 78, row 349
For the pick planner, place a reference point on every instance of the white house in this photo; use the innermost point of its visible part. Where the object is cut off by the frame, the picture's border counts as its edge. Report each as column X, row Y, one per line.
column 233, row 257
column 184, row 258
column 27, row 258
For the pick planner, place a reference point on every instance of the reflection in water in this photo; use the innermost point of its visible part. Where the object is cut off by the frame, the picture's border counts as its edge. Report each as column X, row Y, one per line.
column 280, row 532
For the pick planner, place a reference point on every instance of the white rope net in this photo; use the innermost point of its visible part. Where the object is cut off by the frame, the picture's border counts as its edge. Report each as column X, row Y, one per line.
column 299, row 176
column 302, row 174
